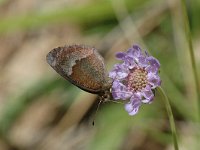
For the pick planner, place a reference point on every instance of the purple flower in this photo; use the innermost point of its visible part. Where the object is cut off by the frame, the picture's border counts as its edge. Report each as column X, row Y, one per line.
column 135, row 78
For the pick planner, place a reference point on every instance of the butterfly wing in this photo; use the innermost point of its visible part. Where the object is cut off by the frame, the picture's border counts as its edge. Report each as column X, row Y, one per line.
column 82, row 65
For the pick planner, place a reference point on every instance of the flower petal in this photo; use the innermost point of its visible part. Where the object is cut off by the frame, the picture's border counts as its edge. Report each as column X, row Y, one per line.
column 112, row 74
column 129, row 61
column 148, row 95
column 135, row 51
column 133, row 106
column 127, row 58
column 134, row 112
column 153, row 61
column 154, row 80
column 154, row 64
column 129, row 107
column 142, row 61
column 120, row 55
column 120, row 91
column 120, row 71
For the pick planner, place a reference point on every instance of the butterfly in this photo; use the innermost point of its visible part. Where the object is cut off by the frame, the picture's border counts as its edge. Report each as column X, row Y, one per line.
column 83, row 66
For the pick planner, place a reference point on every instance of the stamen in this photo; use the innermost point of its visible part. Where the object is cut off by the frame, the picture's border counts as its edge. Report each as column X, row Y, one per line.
column 137, row 79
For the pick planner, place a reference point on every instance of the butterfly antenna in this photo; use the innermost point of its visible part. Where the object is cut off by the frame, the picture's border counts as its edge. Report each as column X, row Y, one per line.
column 97, row 111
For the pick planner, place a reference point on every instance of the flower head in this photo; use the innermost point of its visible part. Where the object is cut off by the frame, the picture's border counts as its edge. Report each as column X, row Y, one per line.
column 135, row 78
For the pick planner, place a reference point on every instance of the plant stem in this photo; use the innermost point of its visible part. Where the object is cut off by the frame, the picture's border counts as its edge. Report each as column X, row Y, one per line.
column 171, row 118
column 189, row 40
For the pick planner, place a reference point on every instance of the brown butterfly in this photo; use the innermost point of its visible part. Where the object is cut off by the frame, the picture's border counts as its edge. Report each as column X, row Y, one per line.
column 83, row 66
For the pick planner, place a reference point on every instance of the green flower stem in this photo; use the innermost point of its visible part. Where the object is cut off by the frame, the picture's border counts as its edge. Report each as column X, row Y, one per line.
column 171, row 118
column 189, row 40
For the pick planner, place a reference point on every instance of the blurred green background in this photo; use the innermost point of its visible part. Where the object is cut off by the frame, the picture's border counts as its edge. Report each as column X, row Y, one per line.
column 39, row 110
